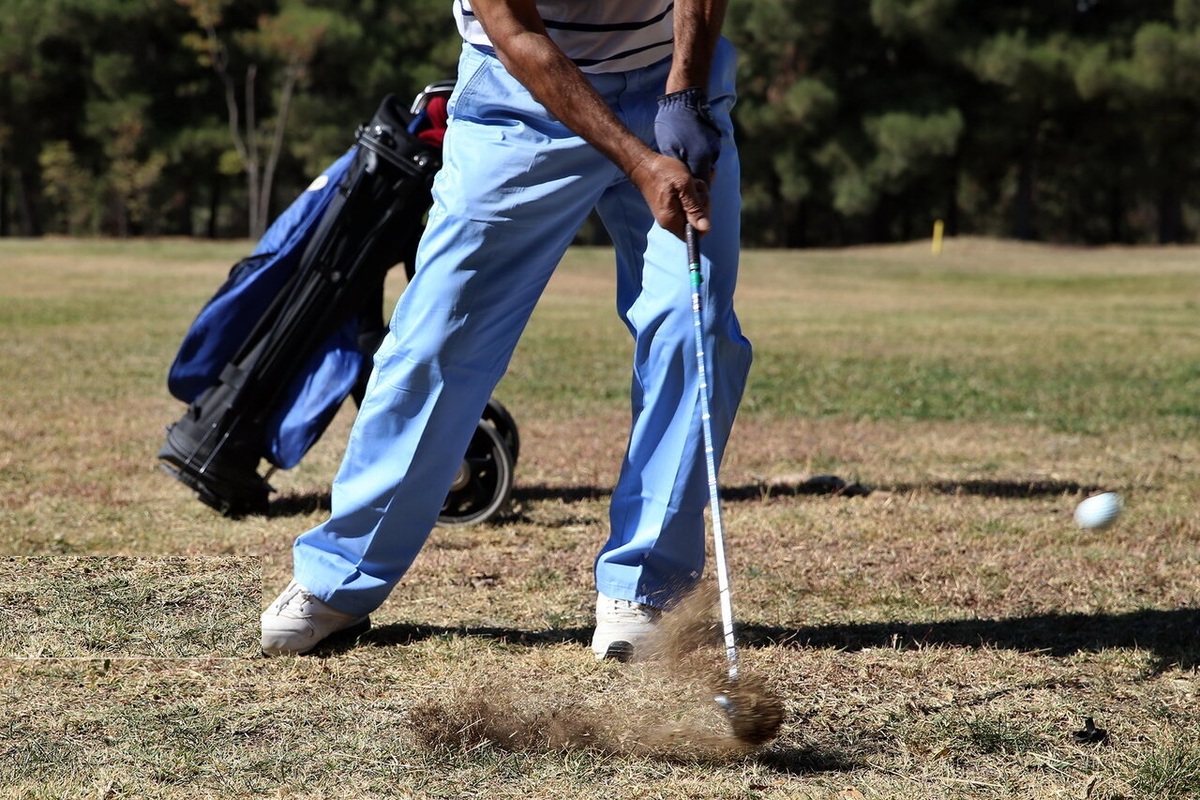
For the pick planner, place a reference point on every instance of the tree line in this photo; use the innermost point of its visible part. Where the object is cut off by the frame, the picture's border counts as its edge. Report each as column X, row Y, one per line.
column 1067, row 121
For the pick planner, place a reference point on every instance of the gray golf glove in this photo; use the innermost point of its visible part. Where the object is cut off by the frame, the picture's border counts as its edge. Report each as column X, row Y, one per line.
column 684, row 128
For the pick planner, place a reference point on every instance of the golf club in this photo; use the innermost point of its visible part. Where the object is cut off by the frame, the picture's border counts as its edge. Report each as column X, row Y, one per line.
column 755, row 719
column 714, row 498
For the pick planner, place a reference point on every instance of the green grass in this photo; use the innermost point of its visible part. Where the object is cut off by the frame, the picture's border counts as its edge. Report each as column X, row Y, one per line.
column 1173, row 771
column 969, row 339
column 941, row 637
column 1078, row 352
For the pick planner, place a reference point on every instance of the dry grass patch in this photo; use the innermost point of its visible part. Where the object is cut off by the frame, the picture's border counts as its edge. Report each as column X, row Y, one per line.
column 92, row 607
column 945, row 635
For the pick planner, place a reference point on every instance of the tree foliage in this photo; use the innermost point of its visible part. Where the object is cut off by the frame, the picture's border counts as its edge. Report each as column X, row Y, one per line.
column 1068, row 120
column 284, row 45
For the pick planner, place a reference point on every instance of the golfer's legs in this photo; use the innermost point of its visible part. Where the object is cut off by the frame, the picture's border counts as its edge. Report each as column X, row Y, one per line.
column 656, row 547
column 507, row 205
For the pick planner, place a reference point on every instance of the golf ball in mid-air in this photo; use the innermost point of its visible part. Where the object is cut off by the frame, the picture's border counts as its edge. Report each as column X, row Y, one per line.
column 1098, row 511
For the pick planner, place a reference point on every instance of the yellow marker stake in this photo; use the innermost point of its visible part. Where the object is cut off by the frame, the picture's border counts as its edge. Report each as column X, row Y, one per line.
column 938, row 227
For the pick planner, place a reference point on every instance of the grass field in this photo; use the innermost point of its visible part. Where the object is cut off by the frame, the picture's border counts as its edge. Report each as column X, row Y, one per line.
column 943, row 636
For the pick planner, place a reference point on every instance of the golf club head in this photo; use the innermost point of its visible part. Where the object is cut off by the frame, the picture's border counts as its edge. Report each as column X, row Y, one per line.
column 755, row 715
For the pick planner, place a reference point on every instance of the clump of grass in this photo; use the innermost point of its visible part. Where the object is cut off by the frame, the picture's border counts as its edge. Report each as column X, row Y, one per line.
column 992, row 736
column 1173, row 771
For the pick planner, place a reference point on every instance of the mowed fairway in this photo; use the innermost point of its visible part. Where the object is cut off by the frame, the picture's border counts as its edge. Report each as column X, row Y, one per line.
column 943, row 636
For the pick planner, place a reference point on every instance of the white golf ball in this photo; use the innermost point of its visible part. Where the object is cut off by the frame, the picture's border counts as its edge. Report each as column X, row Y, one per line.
column 1098, row 511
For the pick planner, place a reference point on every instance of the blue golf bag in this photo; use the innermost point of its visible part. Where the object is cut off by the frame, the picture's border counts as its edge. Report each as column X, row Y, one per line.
column 290, row 335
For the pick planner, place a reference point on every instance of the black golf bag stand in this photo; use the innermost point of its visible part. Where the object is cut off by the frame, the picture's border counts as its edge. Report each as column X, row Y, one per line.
column 370, row 223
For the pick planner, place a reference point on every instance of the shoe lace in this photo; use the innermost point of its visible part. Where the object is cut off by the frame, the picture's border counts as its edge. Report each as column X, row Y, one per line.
column 293, row 599
column 628, row 611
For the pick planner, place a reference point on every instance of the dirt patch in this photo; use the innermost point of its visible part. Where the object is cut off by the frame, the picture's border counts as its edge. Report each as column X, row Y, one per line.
column 664, row 705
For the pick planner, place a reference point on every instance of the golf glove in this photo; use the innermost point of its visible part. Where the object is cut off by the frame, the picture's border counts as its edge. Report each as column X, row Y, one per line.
column 684, row 129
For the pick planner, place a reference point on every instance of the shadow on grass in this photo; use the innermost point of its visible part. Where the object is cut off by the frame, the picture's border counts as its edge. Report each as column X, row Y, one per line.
column 299, row 504
column 833, row 486
column 1172, row 636
column 758, row 491
column 1011, row 489
column 827, row 485
column 807, row 760
column 404, row 634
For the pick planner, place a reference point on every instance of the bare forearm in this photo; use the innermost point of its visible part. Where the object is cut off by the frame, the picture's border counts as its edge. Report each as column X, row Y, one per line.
column 558, row 84
column 518, row 34
column 697, row 29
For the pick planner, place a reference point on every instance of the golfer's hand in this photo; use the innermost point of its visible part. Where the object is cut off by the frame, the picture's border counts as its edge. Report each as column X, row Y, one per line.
column 674, row 196
column 684, row 128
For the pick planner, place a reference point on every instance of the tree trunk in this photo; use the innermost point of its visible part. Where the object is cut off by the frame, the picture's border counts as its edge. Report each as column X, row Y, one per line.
column 1116, row 211
column 3, row 199
column 26, row 191
column 1024, row 208
column 249, row 150
column 951, row 217
column 214, row 205
column 268, row 172
column 1170, row 214
column 795, row 233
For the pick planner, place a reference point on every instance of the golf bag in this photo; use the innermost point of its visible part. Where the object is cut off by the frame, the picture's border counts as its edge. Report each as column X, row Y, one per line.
column 291, row 333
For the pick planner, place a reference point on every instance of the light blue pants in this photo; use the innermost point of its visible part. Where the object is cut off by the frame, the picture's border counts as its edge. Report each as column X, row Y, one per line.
column 516, row 186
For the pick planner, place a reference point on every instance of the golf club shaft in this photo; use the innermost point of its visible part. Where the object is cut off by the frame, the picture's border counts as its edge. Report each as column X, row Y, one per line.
column 714, row 494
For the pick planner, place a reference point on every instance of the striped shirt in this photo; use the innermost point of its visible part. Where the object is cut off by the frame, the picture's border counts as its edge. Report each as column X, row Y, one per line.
column 598, row 36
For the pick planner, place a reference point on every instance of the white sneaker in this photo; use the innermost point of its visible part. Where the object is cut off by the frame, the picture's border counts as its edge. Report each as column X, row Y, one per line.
column 621, row 627
column 297, row 622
